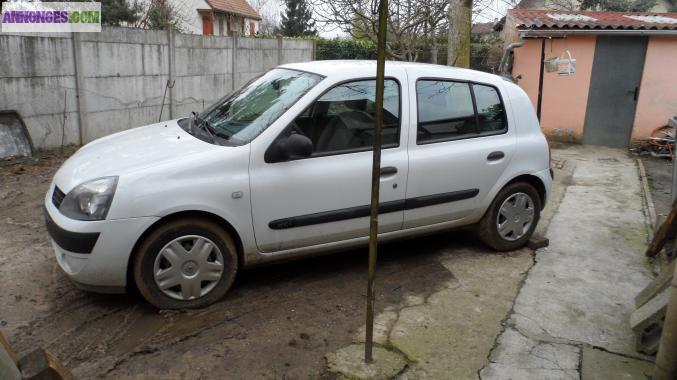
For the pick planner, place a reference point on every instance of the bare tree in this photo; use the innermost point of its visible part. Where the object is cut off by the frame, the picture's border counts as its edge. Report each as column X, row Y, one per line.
column 159, row 14
column 270, row 14
column 411, row 23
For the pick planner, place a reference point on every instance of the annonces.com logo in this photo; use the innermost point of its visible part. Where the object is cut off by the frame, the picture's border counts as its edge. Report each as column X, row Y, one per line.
column 32, row 17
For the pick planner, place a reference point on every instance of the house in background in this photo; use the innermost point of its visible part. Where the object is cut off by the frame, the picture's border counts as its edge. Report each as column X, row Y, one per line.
column 218, row 17
column 622, row 85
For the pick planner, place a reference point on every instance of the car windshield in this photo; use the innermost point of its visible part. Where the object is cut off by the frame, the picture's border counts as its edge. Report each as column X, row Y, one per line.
column 241, row 116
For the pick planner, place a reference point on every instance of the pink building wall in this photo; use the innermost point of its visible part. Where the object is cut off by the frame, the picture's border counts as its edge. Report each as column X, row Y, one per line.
column 658, row 92
column 565, row 98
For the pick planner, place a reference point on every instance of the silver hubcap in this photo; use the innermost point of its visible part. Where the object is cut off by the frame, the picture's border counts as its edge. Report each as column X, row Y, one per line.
column 515, row 216
column 188, row 267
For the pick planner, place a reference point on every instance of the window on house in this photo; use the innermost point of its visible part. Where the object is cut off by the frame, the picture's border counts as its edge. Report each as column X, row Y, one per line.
column 207, row 26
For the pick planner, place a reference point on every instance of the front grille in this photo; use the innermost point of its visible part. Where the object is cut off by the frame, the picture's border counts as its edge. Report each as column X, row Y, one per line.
column 57, row 196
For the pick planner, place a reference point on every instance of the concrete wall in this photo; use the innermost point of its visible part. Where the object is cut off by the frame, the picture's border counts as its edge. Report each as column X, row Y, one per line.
column 121, row 74
column 565, row 98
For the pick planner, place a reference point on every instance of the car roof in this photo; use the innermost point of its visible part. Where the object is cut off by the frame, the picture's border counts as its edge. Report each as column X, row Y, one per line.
column 367, row 68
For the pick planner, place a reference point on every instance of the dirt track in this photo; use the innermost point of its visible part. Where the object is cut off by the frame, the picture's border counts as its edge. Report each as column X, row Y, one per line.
column 276, row 323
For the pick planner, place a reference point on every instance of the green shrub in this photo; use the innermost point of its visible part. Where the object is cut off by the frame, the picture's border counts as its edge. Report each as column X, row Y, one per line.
column 344, row 49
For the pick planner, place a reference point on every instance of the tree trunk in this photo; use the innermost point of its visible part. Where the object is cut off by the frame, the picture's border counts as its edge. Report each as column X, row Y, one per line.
column 460, row 19
column 433, row 48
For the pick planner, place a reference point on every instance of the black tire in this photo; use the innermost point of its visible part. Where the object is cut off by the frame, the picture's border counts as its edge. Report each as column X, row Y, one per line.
column 150, row 248
column 488, row 226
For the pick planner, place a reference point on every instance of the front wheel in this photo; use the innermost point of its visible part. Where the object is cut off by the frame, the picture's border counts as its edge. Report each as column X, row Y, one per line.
column 185, row 263
column 511, row 218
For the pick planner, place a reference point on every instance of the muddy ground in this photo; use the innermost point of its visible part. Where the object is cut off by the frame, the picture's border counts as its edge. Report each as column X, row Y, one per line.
column 277, row 322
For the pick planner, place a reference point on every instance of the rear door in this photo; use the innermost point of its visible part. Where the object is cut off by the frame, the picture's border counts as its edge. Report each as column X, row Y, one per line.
column 459, row 146
column 325, row 198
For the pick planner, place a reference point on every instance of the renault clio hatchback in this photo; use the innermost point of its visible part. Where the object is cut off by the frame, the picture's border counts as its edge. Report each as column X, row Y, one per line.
column 282, row 169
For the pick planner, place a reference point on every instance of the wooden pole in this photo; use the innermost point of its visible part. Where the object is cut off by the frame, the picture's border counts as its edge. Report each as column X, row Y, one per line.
column 376, row 176
column 664, row 232
column 666, row 359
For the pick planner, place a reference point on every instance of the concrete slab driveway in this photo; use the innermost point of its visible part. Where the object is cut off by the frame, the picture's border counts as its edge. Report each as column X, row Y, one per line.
column 450, row 307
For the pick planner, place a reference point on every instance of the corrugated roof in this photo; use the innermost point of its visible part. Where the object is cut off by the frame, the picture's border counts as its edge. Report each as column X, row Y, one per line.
column 238, row 7
column 543, row 19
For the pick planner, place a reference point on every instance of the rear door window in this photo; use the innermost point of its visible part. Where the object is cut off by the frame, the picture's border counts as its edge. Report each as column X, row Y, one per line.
column 449, row 110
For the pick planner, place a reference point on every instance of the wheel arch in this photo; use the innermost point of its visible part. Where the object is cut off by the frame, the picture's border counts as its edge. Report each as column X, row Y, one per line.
column 227, row 226
column 534, row 181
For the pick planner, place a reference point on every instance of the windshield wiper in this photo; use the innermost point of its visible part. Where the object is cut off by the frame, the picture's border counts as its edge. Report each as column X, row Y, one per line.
column 204, row 125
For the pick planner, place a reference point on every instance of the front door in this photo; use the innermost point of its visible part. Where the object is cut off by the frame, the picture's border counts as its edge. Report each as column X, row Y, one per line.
column 614, row 89
column 325, row 198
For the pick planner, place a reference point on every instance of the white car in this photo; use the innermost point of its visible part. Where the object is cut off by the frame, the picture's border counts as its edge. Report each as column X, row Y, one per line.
column 282, row 169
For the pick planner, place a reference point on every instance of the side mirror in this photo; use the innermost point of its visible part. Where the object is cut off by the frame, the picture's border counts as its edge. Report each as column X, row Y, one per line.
column 288, row 148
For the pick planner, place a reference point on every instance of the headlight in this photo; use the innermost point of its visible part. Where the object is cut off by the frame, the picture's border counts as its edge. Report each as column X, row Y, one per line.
column 90, row 200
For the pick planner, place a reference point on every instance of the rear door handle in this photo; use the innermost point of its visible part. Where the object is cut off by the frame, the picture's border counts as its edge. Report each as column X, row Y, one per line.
column 495, row 156
column 388, row 170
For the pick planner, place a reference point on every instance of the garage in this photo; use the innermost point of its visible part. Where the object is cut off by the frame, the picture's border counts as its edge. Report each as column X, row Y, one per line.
column 606, row 78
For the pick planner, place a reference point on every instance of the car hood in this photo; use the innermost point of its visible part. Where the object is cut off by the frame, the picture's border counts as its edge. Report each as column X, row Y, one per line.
column 129, row 151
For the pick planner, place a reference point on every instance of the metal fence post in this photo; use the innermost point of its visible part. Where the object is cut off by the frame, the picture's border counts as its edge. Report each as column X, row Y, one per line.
column 171, row 58
column 279, row 49
column 235, row 43
column 79, row 91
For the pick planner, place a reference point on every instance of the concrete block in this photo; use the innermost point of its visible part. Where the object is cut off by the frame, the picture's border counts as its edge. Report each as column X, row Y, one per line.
column 41, row 56
column 40, row 365
column 105, row 59
column 127, row 35
column 538, row 242
column 657, row 285
column 349, row 362
column 647, row 323
column 38, row 95
column 155, row 60
column 46, row 130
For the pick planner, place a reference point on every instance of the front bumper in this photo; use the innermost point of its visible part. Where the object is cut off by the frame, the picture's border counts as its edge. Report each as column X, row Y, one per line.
column 94, row 254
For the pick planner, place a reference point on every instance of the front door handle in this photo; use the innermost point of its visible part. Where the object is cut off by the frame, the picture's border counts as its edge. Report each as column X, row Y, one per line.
column 495, row 156
column 388, row 170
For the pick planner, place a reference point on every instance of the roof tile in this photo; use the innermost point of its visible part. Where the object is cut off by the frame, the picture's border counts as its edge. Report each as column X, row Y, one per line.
column 239, row 7
column 557, row 19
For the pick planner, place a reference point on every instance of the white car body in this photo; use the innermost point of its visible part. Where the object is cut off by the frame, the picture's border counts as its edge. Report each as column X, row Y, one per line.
column 163, row 170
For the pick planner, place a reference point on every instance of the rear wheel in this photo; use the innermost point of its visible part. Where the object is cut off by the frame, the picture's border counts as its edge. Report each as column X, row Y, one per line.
column 511, row 218
column 186, row 263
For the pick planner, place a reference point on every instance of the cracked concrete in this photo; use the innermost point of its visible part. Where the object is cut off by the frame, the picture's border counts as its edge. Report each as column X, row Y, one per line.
column 580, row 292
column 558, row 313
